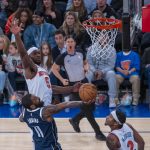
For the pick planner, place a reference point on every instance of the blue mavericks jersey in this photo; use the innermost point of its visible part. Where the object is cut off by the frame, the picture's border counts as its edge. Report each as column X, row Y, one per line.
column 44, row 133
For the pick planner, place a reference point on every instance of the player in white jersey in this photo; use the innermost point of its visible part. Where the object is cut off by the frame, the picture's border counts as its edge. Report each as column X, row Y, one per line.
column 122, row 136
column 37, row 78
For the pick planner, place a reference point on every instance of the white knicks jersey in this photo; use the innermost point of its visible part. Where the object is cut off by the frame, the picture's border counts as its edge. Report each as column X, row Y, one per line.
column 40, row 86
column 126, row 138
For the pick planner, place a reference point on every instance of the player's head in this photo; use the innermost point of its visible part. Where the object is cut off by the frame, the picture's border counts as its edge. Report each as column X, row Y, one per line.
column 35, row 55
column 32, row 102
column 116, row 119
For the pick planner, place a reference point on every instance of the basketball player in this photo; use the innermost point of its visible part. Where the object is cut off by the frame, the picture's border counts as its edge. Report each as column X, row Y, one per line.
column 37, row 78
column 122, row 136
column 40, row 120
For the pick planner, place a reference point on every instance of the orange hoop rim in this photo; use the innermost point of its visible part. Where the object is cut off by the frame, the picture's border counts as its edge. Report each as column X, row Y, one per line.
column 117, row 24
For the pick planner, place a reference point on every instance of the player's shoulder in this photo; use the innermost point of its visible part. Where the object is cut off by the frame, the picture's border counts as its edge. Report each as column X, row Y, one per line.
column 112, row 141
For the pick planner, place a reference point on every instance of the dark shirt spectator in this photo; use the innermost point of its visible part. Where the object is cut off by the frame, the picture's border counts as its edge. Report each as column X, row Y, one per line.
column 51, row 14
column 107, row 10
column 39, row 32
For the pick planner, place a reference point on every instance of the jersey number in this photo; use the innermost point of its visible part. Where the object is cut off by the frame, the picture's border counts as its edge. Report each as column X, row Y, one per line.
column 47, row 82
column 38, row 131
column 130, row 144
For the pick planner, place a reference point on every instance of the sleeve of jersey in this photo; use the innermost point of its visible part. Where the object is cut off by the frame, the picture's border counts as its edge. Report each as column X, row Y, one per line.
column 60, row 59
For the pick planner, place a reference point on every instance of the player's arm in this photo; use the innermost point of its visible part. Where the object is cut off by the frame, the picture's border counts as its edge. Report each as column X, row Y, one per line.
column 112, row 142
column 67, row 89
column 28, row 64
column 53, row 109
column 138, row 138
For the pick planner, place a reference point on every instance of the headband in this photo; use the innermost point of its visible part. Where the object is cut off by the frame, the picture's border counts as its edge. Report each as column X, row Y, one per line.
column 30, row 50
column 113, row 113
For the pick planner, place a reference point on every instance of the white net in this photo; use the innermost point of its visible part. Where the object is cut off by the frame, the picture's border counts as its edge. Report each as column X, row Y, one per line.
column 103, row 40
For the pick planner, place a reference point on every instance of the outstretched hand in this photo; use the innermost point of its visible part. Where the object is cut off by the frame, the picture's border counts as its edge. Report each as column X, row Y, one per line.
column 77, row 86
column 15, row 28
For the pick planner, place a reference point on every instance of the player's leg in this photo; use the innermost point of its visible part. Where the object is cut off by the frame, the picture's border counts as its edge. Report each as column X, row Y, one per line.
column 74, row 121
column 88, row 111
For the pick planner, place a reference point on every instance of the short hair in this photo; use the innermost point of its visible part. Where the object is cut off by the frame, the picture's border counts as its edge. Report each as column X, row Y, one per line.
column 26, row 101
column 121, row 116
column 60, row 32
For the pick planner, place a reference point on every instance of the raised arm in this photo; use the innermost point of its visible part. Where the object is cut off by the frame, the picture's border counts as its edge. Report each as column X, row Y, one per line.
column 67, row 89
column 53, row 109
column 28, row 64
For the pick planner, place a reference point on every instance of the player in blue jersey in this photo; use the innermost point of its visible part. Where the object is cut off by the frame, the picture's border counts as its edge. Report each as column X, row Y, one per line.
column 40, row 121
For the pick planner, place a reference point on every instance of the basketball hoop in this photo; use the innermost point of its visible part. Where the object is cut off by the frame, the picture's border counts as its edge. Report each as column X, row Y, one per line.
column 103, row 33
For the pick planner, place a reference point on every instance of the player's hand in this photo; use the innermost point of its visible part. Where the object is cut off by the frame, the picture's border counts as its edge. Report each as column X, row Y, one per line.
column 65, row 82
column 89, row 102
column 15, row 28
column 76, row 87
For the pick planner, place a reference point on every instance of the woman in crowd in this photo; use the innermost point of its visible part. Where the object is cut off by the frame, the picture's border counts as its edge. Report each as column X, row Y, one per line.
column 72, row 26
column 51, row 14
column 24, row 16
column 79, row 8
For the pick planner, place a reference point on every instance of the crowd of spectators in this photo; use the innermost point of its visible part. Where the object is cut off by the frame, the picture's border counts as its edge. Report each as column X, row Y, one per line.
column 45, row 25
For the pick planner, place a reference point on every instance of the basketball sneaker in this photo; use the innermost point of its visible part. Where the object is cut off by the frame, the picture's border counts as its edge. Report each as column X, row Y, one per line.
column 75, row 125
column 112, row 103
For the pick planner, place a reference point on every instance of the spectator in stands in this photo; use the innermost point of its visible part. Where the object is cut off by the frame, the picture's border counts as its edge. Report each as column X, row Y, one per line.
column 128, row 67
column 60, row 44
column 3, row 13
column 41, row 32
column 4, row 44
column 1, row 31
column 103, row 69
column 76, row 65
column 51, row 14
column 117, row 5
column 79, row 8
column 24, row 16
column 13, row 60
column 89, row 4
column 97, row 14
column 2, row 77
column 46, row 57
column 13, row 5
column 72, row 26
column 18, row 14
column 107, row 10
column 146, row 66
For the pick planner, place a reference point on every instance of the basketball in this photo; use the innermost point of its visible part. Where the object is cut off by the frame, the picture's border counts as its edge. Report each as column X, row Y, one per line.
column 88, row 92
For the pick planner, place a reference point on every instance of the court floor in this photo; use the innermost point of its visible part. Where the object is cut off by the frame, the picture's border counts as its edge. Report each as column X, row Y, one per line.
column 15, row 135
